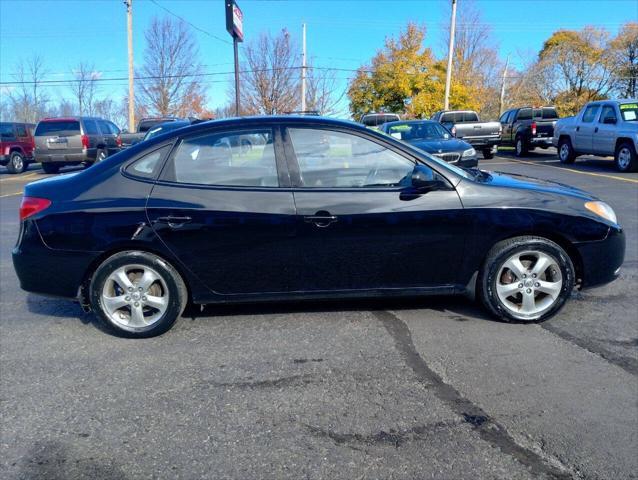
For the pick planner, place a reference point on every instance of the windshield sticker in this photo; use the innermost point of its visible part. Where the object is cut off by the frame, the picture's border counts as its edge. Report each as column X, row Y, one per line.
column 629, row 106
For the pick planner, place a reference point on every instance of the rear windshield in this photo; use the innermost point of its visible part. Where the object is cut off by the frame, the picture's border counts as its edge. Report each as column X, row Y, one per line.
column 146, row 125
column 459, row 117
column 549, row 113
column 63, row 128
column 376, row 120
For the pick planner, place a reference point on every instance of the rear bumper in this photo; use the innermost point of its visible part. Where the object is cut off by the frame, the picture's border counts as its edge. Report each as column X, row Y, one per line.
column 45, row 271
column 54, row 157
column 542, row 141
column 601, row 261
column 482, row 142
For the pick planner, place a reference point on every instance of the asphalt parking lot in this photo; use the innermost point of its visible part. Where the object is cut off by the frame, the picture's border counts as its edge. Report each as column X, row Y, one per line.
column 429, row 388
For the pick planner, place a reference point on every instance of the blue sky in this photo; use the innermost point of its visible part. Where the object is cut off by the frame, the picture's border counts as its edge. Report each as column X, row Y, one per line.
column 341, row 33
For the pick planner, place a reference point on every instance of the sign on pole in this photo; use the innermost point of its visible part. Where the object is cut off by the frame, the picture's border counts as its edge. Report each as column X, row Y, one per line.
column 235, row 26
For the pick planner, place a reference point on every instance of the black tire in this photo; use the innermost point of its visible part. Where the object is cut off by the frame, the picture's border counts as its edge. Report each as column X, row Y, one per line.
column 177, row 293
column 520, row 147
column 566, row 153
column 499, row 254
column 17, row 163
column 488, row 154
column 625, row 158
column 50, row 167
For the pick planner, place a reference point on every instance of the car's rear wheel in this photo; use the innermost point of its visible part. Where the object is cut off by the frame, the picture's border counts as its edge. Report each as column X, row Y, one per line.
column 625, row 158
column 526, row 279
column 16, row 163
column 520, row 147
column 50, row 167
column 488, row 154
column 137, row 294
column 566, row 152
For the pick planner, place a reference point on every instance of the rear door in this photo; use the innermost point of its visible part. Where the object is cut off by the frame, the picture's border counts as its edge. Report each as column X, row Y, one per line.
column 360, row 226
column 583, row 136
column 226, row 212
column 59, row 137
column 604, row 136
column 109, row 135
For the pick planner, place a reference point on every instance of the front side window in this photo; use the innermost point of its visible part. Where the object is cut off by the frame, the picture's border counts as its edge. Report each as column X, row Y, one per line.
column 329, row 159
column 590, row 113
column 243, row 159
column 504, row 117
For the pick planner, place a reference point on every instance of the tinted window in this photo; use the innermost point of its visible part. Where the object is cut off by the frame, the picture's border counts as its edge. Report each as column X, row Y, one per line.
column 232, row 159
column 115, row 130
column 524, row 114
column 550, row 113
column 21, row 131
column 470, row 117
column 590, row 113
column 147, row 124
column 449, row 117
column 378, row 119
column 90, row 127
column 608, row 112
column 329, row 159
column 148, row 166
column 63, row 128
column 504, row 117
column 6, row 130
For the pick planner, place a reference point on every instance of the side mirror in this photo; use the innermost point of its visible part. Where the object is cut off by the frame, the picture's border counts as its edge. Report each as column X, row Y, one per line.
column 424, row 180
column 609, row 120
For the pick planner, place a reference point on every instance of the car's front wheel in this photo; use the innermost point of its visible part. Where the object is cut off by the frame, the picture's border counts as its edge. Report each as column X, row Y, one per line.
column 137, row 294
column 566, row 153
column 526, row 279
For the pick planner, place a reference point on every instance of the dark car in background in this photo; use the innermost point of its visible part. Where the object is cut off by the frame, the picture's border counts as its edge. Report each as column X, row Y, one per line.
column 466, row 125
column 16, row 145
column 324, row 208
column 434, row 138
column 143, row 126
column 373, row 120
column 74, row 141
column 526, row 128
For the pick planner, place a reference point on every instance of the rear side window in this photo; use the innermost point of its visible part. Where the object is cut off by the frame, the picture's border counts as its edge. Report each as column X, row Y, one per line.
column 21, row 131
column 115, row 130
column 524, row 114
column 590, row 113
column 90, row 127
column 243, row 159
column 148, row 166
column 62, row 128
column 6, row 131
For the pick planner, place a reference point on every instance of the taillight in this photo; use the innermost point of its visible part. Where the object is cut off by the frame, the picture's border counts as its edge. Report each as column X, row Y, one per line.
column 118, row 141
column 32, row 205
column 533, row 128
column 85, row 141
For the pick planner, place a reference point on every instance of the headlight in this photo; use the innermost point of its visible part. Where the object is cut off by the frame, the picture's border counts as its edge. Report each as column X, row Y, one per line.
column 602, row 210
column 470, row 152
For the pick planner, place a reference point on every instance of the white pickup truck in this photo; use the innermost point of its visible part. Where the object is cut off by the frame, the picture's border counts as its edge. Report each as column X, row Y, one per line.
column 605, row 128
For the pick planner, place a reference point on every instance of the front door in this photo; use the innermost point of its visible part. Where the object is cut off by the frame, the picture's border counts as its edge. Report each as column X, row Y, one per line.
column 360, row 226
column 219, row 208
column 585, row 129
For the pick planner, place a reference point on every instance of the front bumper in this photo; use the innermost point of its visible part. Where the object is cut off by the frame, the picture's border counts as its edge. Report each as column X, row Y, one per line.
column 601, row 260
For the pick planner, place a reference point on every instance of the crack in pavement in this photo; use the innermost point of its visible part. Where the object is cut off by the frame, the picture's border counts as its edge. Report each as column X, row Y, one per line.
column 489, row 430
column 628, row 364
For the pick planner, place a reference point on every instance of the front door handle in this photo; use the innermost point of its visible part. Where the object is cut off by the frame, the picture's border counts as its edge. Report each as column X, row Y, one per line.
column 321, row 219
column 174, row 222
column 578, row 129
column 596, row 130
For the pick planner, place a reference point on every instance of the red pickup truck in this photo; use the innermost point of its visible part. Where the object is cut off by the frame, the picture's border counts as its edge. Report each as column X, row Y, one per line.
column 16, row 145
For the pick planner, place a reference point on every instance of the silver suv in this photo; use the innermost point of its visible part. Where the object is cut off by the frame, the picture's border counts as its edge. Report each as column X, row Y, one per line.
column 606, row 128
column 74, row 140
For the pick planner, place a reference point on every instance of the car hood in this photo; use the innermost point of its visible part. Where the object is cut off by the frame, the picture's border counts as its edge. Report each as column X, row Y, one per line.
column 441, row 146
column 522, row 182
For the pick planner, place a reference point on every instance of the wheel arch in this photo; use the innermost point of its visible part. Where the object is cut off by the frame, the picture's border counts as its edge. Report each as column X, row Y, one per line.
column 15, row 149
column 621, row 140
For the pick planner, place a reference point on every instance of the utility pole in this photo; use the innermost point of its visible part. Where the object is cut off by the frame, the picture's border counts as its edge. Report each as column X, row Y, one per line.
column 450, row 54
column 131, row 71
column 500, row 104
column 303, row 67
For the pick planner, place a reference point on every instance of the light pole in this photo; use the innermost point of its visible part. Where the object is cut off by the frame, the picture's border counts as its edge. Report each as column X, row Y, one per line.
column 131, row 71
column 450, row 54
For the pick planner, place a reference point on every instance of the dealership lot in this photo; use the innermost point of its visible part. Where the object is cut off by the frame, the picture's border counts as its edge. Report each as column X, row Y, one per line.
column 428, row 388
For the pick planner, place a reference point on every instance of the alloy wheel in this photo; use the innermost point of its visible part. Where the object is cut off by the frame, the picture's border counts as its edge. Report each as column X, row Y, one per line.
column 135, row 296
column 17, row 162
column 529, row 283
column 624, row 158
column 564, row 151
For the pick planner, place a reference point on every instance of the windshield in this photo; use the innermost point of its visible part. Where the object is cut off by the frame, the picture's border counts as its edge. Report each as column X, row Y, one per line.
column 629, row 111
column 418, row 131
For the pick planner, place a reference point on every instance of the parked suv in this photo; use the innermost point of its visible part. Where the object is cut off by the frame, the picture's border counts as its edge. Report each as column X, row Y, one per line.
column 74, row 140
column 526, row 128
column 467, row 126
column 604, row 127
column 16, row 145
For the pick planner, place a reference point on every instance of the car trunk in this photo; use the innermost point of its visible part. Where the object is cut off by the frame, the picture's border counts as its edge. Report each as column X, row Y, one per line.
column 61, row 137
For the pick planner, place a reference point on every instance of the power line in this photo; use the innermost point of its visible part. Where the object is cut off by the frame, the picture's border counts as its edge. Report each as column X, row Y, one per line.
column 194, row 26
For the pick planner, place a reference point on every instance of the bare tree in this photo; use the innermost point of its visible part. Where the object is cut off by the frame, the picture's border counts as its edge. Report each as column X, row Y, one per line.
column 270, row 75
column 625, row 53
column 27, row 100
column 170, row 77
column 85, row 87
column 108, row 108
column 322, row 93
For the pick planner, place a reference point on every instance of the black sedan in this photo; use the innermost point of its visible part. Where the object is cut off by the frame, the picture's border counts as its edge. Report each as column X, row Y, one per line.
column 434, row 138
column 322, row 208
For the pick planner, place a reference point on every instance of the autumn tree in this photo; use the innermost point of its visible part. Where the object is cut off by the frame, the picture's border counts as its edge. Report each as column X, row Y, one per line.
column 170, row 78
column 404, row 77
column 625, row 56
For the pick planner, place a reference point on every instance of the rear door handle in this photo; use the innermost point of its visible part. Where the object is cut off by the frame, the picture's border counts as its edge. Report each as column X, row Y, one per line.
column 321, row 221
column 174, row 222
column 596, row 130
